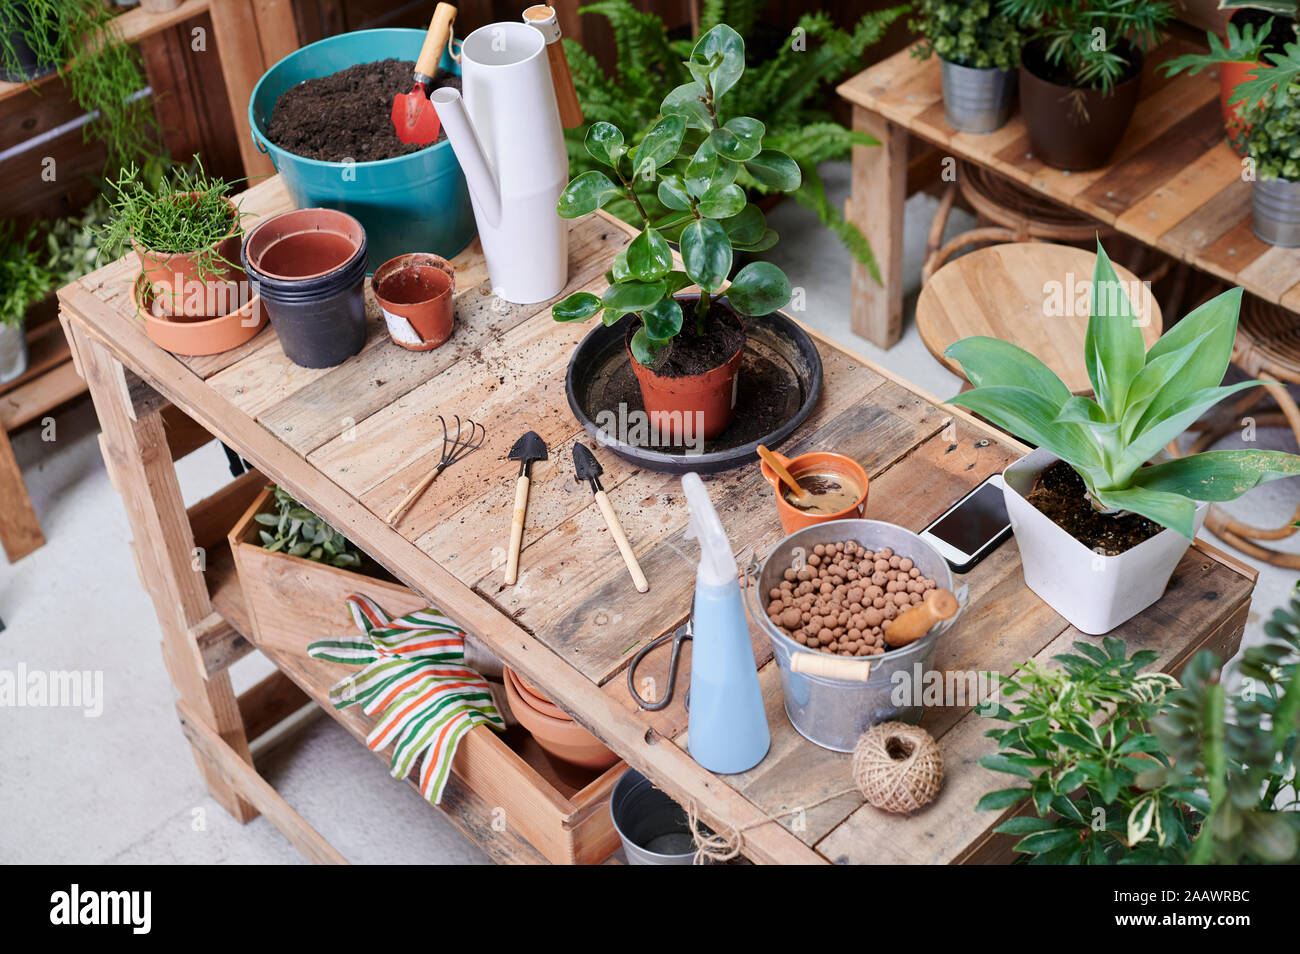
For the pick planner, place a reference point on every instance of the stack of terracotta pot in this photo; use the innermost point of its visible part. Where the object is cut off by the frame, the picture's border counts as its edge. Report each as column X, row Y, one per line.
column 553, row 728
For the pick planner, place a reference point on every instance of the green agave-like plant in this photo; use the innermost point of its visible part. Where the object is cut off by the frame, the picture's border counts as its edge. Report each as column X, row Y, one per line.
column 299, row 532
column 1144, row 400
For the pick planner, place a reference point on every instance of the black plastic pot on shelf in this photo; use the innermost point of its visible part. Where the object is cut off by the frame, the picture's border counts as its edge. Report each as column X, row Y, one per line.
column 16, row 23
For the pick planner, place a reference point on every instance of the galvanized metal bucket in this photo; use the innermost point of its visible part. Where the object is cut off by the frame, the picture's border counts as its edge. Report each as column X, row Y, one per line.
column 653, row 828
column 1275, row 212
column 834, row 712
column 976, row 100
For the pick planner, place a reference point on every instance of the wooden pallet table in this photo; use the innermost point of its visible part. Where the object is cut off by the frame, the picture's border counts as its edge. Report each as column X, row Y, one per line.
column 351, row 440
column 1173, row 184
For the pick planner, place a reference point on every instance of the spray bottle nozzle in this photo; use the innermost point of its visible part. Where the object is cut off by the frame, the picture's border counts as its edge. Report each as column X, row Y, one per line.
column 717, row 561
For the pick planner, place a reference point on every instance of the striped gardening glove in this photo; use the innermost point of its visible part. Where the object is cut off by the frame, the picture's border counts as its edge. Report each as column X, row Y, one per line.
column 415, row 675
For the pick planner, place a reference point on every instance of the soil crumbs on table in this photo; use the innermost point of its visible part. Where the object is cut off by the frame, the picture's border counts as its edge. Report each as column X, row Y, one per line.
column 348, row 115
column 1059, row 493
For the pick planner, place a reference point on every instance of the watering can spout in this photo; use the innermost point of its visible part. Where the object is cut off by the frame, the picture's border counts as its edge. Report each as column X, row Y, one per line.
column 469, row 152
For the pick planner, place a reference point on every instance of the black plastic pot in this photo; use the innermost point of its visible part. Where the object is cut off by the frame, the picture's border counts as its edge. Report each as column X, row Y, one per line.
column 1070, row 127
column 320, row 319
column 17, row 22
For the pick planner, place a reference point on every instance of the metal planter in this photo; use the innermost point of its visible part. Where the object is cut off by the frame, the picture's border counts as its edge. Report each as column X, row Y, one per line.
column 1275, row 212
column 976, row 100
column 13, row 351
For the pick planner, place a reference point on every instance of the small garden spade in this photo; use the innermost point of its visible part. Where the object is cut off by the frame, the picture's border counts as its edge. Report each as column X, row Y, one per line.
column 589, row 469
column 527, row 449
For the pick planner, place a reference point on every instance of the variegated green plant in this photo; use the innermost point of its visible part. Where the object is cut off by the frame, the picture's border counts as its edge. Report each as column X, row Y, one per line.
column 1144, row 400
column 297, row 531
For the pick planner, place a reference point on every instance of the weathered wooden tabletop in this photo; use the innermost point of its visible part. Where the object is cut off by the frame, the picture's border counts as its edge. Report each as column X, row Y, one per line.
column 350, row 441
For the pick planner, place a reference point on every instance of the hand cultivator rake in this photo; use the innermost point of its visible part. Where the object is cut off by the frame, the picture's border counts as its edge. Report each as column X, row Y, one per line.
column 468, row 438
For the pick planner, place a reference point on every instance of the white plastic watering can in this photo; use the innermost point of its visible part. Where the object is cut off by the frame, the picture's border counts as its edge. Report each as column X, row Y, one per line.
column 506, row 134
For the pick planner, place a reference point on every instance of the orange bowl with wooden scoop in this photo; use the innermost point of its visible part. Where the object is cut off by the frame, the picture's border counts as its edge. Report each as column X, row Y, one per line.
column 414, row 118
column 814, row 488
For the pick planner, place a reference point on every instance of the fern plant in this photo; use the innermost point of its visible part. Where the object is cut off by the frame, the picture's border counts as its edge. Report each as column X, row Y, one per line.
column 784, row 89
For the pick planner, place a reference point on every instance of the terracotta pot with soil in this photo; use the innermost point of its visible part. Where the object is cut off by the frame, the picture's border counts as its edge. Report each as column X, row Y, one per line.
column 1071, row 127
column 1094, row 569
column 197, row 337
column 692, row 394
column 199, row 283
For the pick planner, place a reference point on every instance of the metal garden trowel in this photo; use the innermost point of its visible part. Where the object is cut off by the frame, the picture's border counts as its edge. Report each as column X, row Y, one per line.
column 414, row 118
column 527, row 449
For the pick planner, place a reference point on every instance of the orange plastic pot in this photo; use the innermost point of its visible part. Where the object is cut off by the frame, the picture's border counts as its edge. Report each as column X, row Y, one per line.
column 182, row 290
column 416, row 293
column 687, row 408
column 819, row 462
column 1230, row 75
column 564, row 739
column 207, row 336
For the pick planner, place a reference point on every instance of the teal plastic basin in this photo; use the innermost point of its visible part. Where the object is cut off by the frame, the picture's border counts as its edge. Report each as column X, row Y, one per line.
column 415, row 203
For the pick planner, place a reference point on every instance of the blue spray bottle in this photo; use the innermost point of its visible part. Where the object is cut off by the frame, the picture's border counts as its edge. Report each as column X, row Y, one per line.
column 728, row 725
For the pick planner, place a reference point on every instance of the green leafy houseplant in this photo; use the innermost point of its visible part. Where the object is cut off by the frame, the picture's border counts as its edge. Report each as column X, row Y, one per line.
column 1093, row 44
column 1080, row 738
column 297, row 531
column 690, row 159
column 1271, row 115
column 1245, row 44
column 786, row 89
column 974, row 34
column 1144, row 400
column 24, row 277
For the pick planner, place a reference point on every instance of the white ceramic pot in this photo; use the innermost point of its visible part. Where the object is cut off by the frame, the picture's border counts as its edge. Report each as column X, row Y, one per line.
column 1095, row 593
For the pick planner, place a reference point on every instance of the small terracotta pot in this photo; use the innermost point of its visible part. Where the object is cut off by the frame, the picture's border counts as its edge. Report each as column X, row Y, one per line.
column 562, row 738
column 416, row 293
column 686, row 408
column 181, row 290
column 1072, row 128
column 207, row 336
column 819, row 462
column 537, row 700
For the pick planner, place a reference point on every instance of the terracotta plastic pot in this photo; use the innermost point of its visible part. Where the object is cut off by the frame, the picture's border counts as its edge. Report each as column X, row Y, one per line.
column 1231, row 74
column 1072, row 128
column 562, row 738
column 819, row 462
column 536, row 700
column 693, row 406
column 182, row 290
column 208, row 336
column 416, row 293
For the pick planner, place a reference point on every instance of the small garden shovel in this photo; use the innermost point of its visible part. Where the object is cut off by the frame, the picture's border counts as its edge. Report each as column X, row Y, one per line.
column 589, row 469
column 527, row 449
column 414, row 118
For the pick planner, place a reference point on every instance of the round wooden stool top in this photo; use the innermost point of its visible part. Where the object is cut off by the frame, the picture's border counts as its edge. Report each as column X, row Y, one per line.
column 1032, row 294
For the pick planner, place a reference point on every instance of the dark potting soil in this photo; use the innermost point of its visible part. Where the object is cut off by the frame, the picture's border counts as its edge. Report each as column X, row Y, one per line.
column 693, row 354
column 348, row 115
column 1035, row 60
column 1060, row 494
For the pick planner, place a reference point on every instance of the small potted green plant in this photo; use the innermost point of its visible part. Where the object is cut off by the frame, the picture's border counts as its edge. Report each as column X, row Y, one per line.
column 186, row 231
column 686, row 349
column 29, row 40
column 1100, row 527
column 1270, row 132
column 1080, row 73
column 24, row 280
column 979, row 50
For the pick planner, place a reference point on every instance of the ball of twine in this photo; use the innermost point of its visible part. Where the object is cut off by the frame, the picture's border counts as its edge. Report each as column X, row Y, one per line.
column 898, row 767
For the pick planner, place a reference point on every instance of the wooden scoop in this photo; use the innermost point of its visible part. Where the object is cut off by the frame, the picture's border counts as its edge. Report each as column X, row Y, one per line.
column 785, row 476
column 414, row 118
column 910, row 625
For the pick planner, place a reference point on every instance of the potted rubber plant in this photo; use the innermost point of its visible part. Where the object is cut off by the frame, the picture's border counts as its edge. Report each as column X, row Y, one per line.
column 24, row 280
column 186, row 231
column 686, row 348
column 1080, row 73
column 1270, row 132
column 1099, row 525
column 979, row 49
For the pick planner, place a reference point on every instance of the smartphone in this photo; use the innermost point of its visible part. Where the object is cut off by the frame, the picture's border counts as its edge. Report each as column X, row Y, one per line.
column 972, row 528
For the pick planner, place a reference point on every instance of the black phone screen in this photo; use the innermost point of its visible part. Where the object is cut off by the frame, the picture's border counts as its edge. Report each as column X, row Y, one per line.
column 977, row 520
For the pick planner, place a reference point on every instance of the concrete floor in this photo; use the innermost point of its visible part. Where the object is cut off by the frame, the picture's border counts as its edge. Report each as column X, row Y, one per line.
column 122, row 787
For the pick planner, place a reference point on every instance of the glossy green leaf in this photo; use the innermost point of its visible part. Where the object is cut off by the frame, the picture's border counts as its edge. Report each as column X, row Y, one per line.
column 1218, row 475
column 706, row 253
column 648, row 256
column 646, row 350
column 659, row 146
column 1113, row 348
column 1148, row 442
column 577, row 307
column 775, row 170
column 1002, row 798
column 619, row 270
column 605, row 143
column 724, row 49
column 708, row 170
column 631, row 297
column 585, row 194
column 1166, row 509
column 722, row 201
column 672, row 192
column 987, row 361
column 676, row 281
column 687, row 101
column 739, row 139
column 746, row 226
column 759, row 288
column 662, row 320
column 765, row 241
column 1031, row 416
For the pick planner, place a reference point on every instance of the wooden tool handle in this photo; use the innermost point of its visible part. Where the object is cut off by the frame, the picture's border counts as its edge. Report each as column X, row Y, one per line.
column 435, row 41
column 625, row 548
column 910, row 625
column 517, row 530
column 566, row 96
column 779, row 469
column 411, row 497
column 832, row 667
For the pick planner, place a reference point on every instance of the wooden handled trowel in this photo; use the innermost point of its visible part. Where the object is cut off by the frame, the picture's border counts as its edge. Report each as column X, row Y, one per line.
column 589, row 469
column 414, row 118
column 527, row 449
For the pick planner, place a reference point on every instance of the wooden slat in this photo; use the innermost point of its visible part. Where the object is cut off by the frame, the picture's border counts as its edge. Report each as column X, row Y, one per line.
column 269, row 702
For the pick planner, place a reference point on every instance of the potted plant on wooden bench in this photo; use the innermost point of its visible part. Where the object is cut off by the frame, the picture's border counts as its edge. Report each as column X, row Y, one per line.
column 979, row 49
column 1100, row 527
column 1080, row 73
column 686, row 358
column 24, row 280
column 1270, row 134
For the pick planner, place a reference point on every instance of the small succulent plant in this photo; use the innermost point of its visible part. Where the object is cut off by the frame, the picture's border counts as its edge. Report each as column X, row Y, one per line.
column 299, row 532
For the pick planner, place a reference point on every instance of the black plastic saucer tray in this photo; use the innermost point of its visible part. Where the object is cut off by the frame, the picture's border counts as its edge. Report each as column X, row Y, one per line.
column 779, row 358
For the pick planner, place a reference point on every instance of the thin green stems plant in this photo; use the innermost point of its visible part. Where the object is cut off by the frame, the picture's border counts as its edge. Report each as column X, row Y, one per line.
column 24, row 276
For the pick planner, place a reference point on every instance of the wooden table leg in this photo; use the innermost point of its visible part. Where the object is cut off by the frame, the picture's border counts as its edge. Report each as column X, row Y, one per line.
column 251, row 35
column 140, row 466
column 879, row 190
column 20, row 531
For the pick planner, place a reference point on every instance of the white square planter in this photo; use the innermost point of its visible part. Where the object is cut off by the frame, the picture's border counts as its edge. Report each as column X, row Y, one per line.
column 1095, row 593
